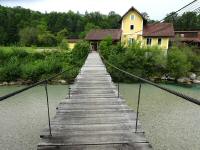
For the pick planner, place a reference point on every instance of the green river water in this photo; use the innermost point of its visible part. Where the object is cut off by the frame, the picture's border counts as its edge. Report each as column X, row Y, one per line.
column 170, row 123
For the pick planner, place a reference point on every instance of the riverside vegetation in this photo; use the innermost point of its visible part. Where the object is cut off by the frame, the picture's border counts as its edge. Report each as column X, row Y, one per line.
column 149, row 62
column 28, row 66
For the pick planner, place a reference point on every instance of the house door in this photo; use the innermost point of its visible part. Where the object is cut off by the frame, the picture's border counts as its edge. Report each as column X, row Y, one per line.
column 94, row 46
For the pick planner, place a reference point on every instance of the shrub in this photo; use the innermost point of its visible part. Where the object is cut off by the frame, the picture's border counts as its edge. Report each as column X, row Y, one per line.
column 19, row 52
column 62, row 34
column 47, row 39
column 105, row 47
column 28, row 36
column 11, row 71
column 64, row 45
column 33, row 71
column 80, row 52
column 177, row 63
column 71, row 74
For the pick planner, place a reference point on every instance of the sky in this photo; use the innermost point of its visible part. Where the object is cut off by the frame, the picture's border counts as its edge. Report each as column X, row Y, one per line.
column 157, row 9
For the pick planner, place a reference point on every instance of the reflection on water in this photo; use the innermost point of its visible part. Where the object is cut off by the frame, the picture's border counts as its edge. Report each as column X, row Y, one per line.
column 169, row 122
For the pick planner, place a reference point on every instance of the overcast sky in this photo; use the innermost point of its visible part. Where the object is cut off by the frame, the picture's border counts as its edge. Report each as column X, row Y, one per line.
column 157, row 9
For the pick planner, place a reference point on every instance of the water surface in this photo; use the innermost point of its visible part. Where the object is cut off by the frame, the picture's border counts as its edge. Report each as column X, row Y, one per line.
column 170, row 123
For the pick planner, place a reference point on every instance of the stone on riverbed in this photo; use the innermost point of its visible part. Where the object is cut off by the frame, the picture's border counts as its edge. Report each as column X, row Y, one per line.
column 62, row 81
column 196, row 81
column 184, row 80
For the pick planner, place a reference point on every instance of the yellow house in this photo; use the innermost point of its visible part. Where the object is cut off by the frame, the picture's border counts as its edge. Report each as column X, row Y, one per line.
column 72, row 42
column 134, row 27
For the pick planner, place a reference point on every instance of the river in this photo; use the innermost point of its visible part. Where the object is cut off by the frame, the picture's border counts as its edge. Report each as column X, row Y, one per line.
column 169, row 122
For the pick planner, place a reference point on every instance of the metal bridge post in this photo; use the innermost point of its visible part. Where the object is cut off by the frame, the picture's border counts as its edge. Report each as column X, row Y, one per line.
column 138, row 105
column 48, row 108
column 69, row 91
column 118, row 89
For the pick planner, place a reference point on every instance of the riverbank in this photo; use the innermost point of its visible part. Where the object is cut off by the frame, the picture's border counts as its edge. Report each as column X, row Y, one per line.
column 21, row 65
column 187, row 82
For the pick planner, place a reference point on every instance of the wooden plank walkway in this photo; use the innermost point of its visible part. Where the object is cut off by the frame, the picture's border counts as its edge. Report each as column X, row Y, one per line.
column 94, row 118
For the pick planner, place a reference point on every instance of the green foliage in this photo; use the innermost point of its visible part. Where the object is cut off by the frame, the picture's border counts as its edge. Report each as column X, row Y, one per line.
column 80, row 52
column 64, row 45
column 28, row 36
column 105, row 47
column 88, row 28
column 62, row 34
column 177, row 63
column 17, row 21
column 17, row 63
column 47, row 39
column 148, row 62
column 186, row 21
column 11, row 70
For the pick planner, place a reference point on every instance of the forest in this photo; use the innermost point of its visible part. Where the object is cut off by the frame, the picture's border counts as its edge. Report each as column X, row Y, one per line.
column 20, row 26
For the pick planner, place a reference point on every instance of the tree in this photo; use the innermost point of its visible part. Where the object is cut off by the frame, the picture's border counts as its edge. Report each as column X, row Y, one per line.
column 47, row 39
column 145, row 15
column 62, row 34
column 177, row 63
column 28, row 36
column 64, row 45
column 186, row 21
column 88, row 28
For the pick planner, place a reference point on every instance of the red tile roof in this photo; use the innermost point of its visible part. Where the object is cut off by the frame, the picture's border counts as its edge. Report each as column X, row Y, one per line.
column 158, row 29
column 100, row 34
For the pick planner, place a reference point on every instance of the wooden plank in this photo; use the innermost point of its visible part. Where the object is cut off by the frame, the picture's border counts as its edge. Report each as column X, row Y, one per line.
column 125, row 146
column 94, row 139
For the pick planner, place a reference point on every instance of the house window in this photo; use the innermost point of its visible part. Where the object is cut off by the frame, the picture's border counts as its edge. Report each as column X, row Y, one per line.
column 149, row 41
column 132, row 27
column 132, row 17
column 159, row 41
column 130, row 41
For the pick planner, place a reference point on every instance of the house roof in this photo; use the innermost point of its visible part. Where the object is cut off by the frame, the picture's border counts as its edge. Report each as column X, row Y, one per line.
column 132, row 9
column 73, row 40
column 100, row 34
column 158, row 29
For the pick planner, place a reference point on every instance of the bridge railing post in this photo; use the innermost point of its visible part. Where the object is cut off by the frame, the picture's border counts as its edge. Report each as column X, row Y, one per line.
column 138, row 105
column 118, row 89
column 48, row 111
column 69, row 91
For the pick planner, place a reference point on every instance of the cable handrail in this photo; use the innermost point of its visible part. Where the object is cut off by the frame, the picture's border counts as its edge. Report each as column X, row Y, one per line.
column 186, row 97
column 32, row 85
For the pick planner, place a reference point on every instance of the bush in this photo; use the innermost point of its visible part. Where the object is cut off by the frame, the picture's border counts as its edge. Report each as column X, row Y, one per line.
column 105, row 47
column 147, row 62
column 177, row 63
column 64, row 45
column 11, row 71
column 62, row 34
column 47, row 39
column 29, row 36
column 33, row 71
column 80, row 52
column 18, row 63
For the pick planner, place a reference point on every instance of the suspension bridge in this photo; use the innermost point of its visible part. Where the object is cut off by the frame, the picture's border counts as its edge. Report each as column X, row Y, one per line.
column 94, row 116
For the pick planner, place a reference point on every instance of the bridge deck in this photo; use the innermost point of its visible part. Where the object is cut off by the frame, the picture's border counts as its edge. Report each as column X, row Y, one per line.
column 94, row 118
